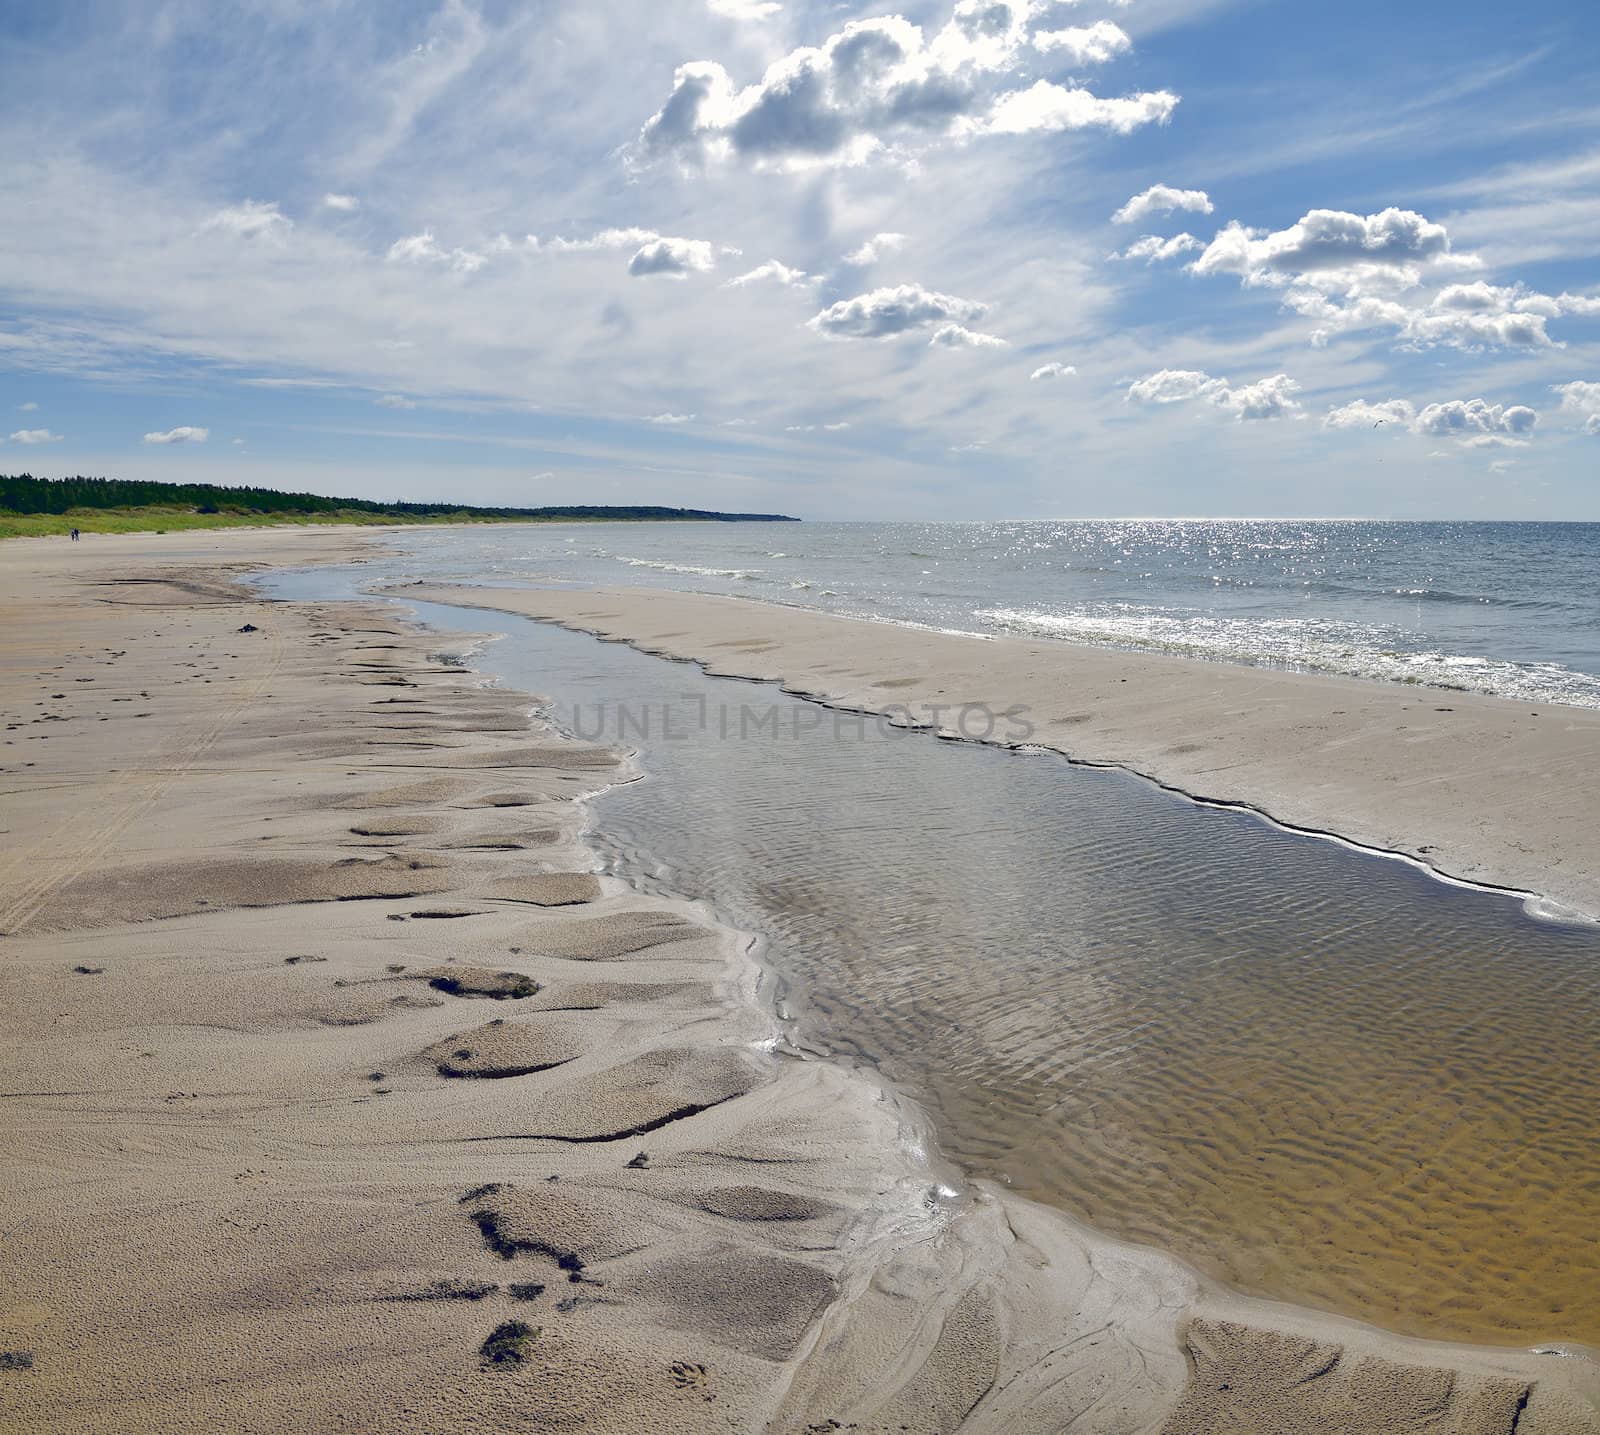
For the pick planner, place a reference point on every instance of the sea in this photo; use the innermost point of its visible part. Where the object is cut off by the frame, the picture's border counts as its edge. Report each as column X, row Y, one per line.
column 1511, row 609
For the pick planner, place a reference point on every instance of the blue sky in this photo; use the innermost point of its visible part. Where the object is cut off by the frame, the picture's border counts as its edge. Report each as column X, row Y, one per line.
column 975, row 259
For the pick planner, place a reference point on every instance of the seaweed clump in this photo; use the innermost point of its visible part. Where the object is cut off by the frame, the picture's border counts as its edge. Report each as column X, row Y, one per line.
column 509, row 1343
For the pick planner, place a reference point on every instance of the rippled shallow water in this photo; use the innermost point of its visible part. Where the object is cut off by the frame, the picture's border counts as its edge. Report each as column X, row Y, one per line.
column 1318, row 1073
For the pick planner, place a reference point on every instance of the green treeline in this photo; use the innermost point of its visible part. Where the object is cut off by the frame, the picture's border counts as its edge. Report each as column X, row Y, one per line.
column 25, row 494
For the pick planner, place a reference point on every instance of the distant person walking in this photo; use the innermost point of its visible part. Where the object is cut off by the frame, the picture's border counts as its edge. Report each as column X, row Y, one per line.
column 74, row 535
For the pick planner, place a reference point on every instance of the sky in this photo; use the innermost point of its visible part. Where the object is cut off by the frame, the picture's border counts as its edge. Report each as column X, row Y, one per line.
column 961, row 259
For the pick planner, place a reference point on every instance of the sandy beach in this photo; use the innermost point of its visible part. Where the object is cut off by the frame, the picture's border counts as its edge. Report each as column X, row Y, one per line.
column 341, row 1094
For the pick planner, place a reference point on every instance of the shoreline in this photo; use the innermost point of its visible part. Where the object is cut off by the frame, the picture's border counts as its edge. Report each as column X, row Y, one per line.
column 1488, row 798
column 748, row 1274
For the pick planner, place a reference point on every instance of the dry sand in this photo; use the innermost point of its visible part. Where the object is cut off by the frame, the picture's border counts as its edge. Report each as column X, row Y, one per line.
column 1485, row 789
column 339, row 1094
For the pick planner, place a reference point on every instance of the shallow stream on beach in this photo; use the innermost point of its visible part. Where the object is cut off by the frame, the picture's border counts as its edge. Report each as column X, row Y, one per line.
column 1319, row 1073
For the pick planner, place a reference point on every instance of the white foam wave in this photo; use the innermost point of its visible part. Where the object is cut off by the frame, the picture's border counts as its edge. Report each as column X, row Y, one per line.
column 1316, row 644
column 690, row 568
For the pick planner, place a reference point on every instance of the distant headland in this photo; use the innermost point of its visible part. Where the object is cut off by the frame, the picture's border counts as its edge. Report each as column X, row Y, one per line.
column 43, row 506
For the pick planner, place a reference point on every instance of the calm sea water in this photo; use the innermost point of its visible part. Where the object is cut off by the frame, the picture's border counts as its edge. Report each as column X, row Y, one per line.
column 1505, row 608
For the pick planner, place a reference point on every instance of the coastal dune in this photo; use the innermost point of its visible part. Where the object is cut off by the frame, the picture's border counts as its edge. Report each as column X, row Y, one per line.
column 342, row 1093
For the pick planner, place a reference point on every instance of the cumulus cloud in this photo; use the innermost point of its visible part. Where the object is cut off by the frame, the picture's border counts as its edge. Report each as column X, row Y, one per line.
column 250, row 220
column 812, row 428
column 1052, row 108
column 656, row 253
column 1364, row 415
column 424, row 249
column 28, row 408
column 1321, row 240
column 1152, row 248
column 1052, row 370
column 1085, row 44
column 1460, row 316
column 872, row 250
column 1477, row 423
column 1352, row 273
column 1582, row 398
column 1270, row 398
column 669, row 418
column 957, row 336
column 883, row 313
column 883, row 81
column 1162, row 199
column 395, row 401
column 1586, row 305
column 773, row 269
column 673, row 258
column 30, row 436
column 344, row 203
column 744, row 9
column 1474, row 423
column 186, row 433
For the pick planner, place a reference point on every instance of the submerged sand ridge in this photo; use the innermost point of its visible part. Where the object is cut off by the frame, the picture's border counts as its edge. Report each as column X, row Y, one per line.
column 240, row 1193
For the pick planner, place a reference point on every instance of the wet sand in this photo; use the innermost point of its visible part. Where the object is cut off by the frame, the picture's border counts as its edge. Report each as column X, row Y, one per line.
column 339, row 1094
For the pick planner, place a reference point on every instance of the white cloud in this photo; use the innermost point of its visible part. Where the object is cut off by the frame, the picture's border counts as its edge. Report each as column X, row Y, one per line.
column 872, row 250
column 1053, row 108
column 31, row 436
column 956, row 336
column 1171, row 386
column 1085, row 44
column 1480, row 297
column 395, row 401
column 250, row 220
column 669, row 418
column 1473, row 423
column 879, row 82
column 884, row 313
column 1477, row 423
column 812, row 428
column 744, row 9
column 424, row 249
column 605, row 239
column 672, row 258
column 1153, row 249
column 1461, row 316
column 1586, row 305
column 1582, row 398
column 774, row 269
column 1052, row 370
column 1270, row 398
column 28, row 408
column 1322, row 240
column 657, row 253
column 541, row 477
column 344, row 203
column 1362, row 415
column 1162, row 199
column 187, row 433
